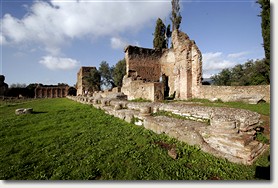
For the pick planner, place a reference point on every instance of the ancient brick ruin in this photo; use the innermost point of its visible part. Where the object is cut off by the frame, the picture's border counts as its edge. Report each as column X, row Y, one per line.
column 153, row 74
column 177, row 72
column 81, row 85
column 51, row 91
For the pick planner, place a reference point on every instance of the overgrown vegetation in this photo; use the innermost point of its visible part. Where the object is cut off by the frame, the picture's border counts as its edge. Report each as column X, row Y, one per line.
column 63, row 139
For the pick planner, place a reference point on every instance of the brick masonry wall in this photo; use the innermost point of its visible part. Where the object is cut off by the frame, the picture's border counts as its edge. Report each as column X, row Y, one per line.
column 143, row 61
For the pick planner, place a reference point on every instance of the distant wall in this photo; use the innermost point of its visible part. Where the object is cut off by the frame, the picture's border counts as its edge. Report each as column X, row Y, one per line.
column 234, row 93
column 51, row 92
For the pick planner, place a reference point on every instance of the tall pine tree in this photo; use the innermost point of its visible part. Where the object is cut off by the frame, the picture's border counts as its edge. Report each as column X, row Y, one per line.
column 265, row 25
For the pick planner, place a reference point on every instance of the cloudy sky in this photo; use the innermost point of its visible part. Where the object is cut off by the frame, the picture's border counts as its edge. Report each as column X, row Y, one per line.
column 48, row 41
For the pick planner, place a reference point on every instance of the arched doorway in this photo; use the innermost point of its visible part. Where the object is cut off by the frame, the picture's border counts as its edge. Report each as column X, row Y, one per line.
column 72, row 91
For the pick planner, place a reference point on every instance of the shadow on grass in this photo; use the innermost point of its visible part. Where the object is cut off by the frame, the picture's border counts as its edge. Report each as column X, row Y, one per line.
column 263, row 172
column 38, row 112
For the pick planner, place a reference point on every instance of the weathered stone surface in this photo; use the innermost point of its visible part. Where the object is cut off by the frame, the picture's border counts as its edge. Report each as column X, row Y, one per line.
column 182, row 66
column 145, row 111
column 228, row 133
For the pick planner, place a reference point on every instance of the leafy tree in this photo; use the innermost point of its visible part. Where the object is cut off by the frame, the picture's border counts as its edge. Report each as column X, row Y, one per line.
column 159, row 41
column 223, row 78
column 119, row 72
column 18, row 85
column 63, row 84
column 237, row 74
column 265, row 25
column 106, row 73
column 93, row 80
column 176, row 16
column 250, row 73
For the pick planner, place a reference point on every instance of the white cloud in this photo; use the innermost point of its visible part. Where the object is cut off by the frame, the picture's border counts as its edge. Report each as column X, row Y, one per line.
column 54, row 23
column 2, row 39
column 237, row 55
column 55, row 63
column 214, row 62
column 118, row 43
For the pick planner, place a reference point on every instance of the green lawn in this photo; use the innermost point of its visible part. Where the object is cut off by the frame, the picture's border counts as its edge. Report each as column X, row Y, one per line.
column 67, row 140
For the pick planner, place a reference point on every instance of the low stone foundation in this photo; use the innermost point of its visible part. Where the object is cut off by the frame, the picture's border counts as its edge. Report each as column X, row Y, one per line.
column 224, row 132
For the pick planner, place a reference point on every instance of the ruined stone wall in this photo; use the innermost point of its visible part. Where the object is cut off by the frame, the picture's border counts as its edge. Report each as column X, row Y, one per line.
column 235, row 93
column 135, row 89
column 188, row 66
column 81, row 86
column 143, row 62
column 51, row 92
column 169, row 69
column 182, row 65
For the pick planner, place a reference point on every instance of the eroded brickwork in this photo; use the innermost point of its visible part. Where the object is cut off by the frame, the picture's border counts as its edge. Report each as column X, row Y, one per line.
column 181, row 66
column 181, row 69
column 144, row 63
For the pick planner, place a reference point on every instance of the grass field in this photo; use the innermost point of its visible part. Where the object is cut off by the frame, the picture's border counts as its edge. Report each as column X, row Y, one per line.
column 66, row 140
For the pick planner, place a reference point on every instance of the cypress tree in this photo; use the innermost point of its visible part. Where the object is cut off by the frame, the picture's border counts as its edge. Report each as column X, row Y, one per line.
column 176, row 16
column 265, row 25
column 159, row 41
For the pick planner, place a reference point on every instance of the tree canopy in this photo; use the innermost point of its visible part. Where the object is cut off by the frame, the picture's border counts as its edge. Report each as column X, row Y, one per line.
column 93, row 80
column 119, row 72
column 251, row 73
column 106, row 73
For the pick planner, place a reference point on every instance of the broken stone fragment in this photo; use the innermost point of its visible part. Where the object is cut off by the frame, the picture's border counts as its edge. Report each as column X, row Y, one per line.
column 173, row 153
column 145, row 111
column 19, row 111
column 23, row 111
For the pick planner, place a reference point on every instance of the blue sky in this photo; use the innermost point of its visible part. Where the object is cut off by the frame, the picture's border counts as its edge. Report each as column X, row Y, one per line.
column 48, row 41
